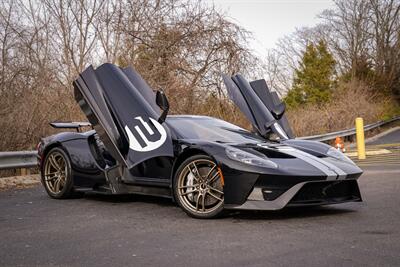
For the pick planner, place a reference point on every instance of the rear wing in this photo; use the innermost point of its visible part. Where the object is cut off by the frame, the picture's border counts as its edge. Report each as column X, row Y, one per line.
column 70, row 125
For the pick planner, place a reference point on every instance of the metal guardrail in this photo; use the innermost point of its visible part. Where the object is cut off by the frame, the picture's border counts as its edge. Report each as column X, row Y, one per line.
column 348, row 132
column 18, row 159
column 28, row 159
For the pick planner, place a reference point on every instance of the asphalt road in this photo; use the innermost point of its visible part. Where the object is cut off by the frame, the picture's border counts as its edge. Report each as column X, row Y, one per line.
column 136, row 231
column 390, row 138
column 146, row 231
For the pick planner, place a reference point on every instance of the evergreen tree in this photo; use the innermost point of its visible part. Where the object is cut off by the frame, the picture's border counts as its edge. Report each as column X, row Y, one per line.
column 313, row 80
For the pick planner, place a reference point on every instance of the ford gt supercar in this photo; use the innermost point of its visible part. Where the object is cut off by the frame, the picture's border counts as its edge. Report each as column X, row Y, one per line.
column 204, row 164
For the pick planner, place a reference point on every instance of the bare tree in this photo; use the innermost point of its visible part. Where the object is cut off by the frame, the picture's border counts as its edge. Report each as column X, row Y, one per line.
column 363, row 36
column 110, row 27
column 182, row 46
column 385, row 18
column 347, row 31
column 73, row 33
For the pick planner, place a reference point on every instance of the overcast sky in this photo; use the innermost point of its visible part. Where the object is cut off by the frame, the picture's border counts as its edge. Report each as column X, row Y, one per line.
column 271, row 19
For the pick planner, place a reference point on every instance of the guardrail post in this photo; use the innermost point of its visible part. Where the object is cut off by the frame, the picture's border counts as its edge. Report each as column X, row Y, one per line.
column 360, row 138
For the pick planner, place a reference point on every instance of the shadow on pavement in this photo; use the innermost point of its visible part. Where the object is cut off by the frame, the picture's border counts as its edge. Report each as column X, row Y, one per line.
column 288, row 213
column 129, row 198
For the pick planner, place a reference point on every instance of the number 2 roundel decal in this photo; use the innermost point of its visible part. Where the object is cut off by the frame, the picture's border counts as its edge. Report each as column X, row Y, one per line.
column 140, row 141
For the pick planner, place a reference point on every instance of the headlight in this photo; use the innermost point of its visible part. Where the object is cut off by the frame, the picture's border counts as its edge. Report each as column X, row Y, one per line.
column 334, row 153
column 248, row 158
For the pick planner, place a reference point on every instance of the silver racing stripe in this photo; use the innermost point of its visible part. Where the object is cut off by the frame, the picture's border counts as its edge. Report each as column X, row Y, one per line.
column 332, row 171
column 314, row 161
column 340, row 173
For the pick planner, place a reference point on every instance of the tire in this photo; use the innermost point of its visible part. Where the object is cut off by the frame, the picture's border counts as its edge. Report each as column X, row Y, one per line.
column 56, row 174
column 198, row 187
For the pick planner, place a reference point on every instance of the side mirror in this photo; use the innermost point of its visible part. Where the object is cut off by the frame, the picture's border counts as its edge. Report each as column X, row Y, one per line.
column 278, row 111
column 162, row 102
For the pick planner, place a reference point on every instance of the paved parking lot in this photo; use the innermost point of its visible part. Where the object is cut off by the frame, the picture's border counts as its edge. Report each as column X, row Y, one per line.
column 136, row 231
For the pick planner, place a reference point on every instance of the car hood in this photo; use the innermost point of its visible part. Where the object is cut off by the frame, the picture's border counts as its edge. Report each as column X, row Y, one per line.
column 292, row 158
column 302, row 156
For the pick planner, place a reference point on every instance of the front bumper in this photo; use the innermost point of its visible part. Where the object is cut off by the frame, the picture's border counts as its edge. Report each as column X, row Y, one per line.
column 311, row 193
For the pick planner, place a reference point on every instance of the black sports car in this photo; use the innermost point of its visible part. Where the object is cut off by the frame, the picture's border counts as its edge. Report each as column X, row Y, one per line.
column 204, row 164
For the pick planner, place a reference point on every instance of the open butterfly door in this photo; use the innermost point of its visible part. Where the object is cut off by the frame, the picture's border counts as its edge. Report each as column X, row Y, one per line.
column 252, row 106
column 271, row 101
column 122, row 109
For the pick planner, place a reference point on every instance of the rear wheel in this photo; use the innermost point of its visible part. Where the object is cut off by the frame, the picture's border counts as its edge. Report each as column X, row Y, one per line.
column 56, row 174
column 198, row 187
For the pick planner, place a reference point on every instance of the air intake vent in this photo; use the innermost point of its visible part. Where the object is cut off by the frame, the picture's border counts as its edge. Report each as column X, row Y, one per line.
column 273, row 154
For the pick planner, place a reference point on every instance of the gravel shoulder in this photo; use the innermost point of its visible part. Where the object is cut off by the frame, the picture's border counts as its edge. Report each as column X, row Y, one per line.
column 19, row 182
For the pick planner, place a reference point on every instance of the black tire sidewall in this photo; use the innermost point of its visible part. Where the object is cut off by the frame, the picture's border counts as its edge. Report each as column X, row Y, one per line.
column 216, row 213
column 67, row 191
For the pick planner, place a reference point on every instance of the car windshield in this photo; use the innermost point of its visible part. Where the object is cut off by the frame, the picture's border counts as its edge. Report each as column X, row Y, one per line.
column 211, row 129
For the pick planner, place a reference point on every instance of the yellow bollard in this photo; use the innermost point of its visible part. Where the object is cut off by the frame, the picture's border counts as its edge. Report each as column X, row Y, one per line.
column 360, row 138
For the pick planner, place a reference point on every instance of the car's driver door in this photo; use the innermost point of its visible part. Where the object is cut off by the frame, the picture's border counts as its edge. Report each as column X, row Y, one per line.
column 122, row 114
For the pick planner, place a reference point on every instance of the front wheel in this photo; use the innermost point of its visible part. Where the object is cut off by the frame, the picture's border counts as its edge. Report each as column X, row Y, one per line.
column 198, row 187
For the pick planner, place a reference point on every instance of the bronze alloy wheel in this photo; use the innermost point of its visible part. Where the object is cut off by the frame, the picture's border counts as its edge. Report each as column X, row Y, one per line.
column 56, row 174
column 199, row 187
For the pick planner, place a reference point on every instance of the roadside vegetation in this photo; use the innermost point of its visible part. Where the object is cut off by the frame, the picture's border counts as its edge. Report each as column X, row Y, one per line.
column 346, row 66
column 321, row 101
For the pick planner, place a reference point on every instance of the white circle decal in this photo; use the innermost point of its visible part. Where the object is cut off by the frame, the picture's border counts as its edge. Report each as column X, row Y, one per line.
column 149, row 145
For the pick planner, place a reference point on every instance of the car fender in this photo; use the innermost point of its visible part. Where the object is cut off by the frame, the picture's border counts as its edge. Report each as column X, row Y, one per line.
column 239, row 179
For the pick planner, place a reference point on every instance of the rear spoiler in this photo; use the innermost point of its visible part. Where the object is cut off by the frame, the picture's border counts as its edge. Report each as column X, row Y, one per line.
column 70, row 125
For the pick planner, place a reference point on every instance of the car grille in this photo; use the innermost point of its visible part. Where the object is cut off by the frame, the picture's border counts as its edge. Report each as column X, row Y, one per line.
column 327, row 192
